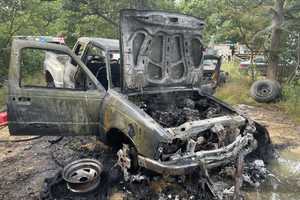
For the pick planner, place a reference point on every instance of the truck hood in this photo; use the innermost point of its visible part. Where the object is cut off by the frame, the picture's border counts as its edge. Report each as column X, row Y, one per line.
column 160, row 49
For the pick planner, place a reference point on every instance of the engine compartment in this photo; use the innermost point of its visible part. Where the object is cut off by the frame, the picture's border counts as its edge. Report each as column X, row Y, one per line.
column 175, row 108
column 197, row 122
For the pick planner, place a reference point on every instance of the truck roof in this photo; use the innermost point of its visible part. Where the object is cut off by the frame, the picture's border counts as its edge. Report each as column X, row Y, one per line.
column 105, row 43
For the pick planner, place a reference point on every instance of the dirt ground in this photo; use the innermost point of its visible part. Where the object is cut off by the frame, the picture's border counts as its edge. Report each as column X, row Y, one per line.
column 25, row 165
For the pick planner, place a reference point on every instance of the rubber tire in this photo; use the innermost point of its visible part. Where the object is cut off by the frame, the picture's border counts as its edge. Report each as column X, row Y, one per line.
column 269, row 96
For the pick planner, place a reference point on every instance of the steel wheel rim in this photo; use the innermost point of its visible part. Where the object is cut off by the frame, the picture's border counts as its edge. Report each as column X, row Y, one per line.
column 82, row 175
column 264, row 91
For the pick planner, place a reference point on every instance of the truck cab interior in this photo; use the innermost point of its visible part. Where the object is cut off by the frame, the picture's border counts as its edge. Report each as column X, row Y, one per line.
column 102, row 64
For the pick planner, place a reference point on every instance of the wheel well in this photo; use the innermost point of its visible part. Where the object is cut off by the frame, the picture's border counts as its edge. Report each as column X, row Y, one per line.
column 115, row 138
column 48, row 76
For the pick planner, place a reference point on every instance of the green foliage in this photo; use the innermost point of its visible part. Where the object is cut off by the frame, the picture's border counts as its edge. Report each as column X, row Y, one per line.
column 209, row 10
column 3, row 92
column 68, row 18
column 236, row 21
column 32, row 67
column 4, row 61
column 30, row 17
column 291, row 101
column 236, row 91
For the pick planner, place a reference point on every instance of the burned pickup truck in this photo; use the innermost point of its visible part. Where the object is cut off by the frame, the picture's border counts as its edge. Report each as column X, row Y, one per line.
column 152, row 110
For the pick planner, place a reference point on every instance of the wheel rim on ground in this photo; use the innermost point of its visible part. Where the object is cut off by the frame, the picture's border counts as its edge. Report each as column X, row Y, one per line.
column 82, row 175
column 264, row 91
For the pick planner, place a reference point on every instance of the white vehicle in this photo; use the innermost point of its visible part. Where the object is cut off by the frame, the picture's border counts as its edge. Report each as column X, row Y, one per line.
column 96, row 53
column 54, row 65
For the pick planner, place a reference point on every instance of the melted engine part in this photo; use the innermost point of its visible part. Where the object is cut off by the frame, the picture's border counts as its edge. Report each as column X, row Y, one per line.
column 214, row 138
column 197, row 122
column 175, row 108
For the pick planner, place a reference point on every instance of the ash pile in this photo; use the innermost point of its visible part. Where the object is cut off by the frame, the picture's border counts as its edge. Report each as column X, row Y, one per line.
column 87, row 171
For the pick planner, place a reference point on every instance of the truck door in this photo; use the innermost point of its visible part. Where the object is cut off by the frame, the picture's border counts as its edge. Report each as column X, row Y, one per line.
column 35, row 109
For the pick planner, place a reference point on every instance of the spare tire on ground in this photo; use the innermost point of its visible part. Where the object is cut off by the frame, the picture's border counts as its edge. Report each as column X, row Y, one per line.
column 265, row 91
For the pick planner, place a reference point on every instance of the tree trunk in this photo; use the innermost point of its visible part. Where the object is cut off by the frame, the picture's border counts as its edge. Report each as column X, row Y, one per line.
column 277, row 20
column 252, row 67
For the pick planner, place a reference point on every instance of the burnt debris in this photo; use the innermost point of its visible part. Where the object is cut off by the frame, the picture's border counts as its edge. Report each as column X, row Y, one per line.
column 201, row 184
column 171, row 110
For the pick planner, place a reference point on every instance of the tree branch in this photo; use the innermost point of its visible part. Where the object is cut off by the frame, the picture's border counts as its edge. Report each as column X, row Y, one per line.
column 97, row 12
column 293, row 8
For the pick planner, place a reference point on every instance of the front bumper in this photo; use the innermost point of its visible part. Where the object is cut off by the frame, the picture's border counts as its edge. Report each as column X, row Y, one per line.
column 209, row 159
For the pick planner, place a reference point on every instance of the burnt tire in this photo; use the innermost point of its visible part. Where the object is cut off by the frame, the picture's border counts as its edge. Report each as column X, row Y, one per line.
column 55, row 188
column 265, row 91
column 46, row 191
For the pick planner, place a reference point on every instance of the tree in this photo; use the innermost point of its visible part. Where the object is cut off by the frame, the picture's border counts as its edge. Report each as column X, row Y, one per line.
column 284, row 24
column 212, row 13
column 277, row 22
column 25, row 17
column 233, row 20
column 248, row 20
column 73, row 18
column 105, row 14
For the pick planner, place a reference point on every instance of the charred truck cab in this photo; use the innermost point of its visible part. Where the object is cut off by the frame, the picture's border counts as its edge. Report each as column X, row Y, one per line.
column 156, row 115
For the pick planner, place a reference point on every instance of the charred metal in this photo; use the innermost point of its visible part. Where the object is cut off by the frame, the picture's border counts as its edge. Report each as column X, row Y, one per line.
column 154, row 113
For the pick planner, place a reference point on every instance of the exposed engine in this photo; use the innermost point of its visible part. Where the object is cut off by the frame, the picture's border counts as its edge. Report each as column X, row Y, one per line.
column 197, row 122
column 175, row 108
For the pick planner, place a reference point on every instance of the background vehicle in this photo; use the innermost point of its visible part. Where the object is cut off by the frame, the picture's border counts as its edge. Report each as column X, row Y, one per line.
column 212, row 70
column 96, row 53
column 259, row 62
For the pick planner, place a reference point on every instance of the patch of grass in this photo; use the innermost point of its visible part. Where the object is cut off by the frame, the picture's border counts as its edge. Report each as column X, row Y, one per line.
column 290, row 102
column 3, row 93
column 237, row 91
column 34, row 79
